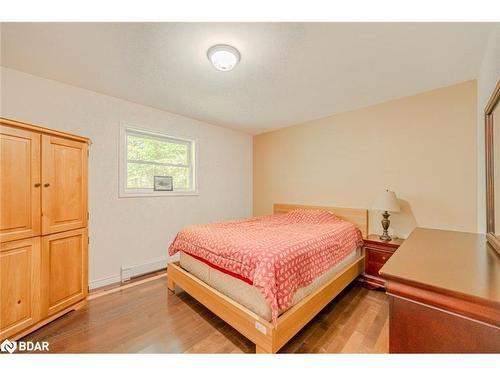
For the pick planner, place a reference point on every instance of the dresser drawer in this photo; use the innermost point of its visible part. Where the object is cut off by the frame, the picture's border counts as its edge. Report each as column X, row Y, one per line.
column 372, row 268
column 375, row 260
column 375, row 256
column 377, row 253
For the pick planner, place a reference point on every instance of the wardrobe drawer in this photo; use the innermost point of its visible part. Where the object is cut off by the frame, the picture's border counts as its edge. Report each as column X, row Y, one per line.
column 19, row 285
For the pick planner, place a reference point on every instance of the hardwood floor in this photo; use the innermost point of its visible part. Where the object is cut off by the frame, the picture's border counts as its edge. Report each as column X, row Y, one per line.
column 147, row 318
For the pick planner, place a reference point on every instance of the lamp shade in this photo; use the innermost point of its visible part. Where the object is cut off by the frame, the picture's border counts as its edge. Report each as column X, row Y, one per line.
column 387, row 201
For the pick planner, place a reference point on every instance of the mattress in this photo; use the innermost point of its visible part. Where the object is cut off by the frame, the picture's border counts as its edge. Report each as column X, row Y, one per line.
column 248, row 295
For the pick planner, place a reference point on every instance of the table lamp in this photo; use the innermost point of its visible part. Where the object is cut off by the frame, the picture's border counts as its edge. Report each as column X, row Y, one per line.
column 387, row 202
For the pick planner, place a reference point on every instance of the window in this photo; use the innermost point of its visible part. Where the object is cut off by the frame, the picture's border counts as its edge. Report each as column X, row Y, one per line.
column 146, row 155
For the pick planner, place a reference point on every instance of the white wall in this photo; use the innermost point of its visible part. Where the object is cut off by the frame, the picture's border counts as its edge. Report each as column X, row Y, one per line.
column 134, row 231
column 488, row 76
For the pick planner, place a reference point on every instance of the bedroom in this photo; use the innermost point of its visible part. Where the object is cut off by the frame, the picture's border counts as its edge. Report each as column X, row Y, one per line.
column 242, row 187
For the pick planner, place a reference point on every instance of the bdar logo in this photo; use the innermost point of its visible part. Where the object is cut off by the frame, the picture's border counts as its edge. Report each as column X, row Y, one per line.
column 24, row 346
column 8, row 346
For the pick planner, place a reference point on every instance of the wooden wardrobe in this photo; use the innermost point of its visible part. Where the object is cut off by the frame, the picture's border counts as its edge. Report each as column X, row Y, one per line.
column 43, row 226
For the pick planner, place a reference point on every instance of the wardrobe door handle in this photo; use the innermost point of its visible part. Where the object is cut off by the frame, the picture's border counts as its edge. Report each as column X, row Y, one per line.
column 46, row 185
column 37, row 184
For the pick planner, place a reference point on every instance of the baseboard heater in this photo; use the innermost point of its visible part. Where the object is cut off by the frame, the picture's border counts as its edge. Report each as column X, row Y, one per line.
column 127, row 272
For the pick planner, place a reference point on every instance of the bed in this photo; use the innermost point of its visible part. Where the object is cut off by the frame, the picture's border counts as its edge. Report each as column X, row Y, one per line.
column 268, row 276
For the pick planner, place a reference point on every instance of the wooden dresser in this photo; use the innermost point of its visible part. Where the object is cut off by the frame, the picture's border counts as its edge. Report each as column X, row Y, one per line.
column 43, row 226
column 444, row 294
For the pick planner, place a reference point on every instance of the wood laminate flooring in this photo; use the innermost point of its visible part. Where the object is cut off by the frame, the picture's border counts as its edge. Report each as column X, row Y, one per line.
column 148, row 318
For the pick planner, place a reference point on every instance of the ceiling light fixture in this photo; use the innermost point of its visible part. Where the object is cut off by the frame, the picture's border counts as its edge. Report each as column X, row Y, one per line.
column 223, row 57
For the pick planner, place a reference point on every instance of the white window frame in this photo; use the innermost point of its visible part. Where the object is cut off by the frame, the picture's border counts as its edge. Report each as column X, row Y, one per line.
column 125, row 192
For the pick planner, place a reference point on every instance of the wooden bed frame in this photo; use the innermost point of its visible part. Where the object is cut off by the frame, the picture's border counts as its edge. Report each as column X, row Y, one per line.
column 269, row 337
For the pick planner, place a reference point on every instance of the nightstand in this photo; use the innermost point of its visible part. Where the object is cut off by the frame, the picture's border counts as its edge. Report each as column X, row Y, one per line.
column 377, row 252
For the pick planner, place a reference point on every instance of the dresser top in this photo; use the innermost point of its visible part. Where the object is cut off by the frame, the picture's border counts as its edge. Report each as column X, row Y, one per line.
column 375, row 238
column 451, row 261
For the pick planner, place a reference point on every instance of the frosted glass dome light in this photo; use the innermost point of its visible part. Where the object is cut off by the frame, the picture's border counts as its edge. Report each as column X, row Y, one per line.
column 223, row 57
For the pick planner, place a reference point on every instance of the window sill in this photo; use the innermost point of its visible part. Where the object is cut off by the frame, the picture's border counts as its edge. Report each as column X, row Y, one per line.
column 158, row 194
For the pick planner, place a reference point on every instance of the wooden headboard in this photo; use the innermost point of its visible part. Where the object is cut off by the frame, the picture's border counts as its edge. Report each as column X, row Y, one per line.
column 357, row 216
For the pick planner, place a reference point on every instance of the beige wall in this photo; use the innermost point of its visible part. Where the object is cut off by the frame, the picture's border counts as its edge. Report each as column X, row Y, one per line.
column 423, row 147
column 135, row 232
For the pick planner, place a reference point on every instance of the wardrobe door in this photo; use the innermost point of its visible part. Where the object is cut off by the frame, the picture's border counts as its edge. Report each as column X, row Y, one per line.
column 19, row 285
column 19, row 183
column 64, row 270
column 64, row 184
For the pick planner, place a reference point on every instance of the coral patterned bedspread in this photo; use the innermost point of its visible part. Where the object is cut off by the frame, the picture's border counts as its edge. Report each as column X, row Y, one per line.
column 277, row 254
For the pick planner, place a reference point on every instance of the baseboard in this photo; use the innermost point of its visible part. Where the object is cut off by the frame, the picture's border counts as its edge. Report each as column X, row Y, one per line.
column 104, row 281
column 101, row 292
column 127, row 272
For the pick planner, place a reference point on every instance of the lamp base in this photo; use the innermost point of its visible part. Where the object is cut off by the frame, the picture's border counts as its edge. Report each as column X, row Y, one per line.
column 385, row 225
column 385, row 237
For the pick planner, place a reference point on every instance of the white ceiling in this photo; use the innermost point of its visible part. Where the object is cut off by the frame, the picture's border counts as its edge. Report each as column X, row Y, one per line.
column 289, row 72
